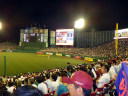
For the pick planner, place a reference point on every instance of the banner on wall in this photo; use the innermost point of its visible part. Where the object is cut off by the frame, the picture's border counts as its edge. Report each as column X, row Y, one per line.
column 77, row 57
column 67, row 55
column 91, row 59
column 52, row 38
column 57, row 54
column 21, row 37
column 46, row 35
column 86, row 58
column 36, row 30
column 49, row 53
column 41, row 30
column 31, row 31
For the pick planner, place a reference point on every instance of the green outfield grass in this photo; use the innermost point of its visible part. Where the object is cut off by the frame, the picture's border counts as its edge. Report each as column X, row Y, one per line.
column 31, row 62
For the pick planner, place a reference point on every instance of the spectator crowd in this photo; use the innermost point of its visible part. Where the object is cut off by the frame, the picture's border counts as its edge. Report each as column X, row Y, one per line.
column 105, row 50
column 76, row 80
column 53, row 81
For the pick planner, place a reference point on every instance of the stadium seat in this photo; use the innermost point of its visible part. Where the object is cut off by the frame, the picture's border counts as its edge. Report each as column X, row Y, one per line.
column 53, row 92
column 105, row 89
column 99, row 91
column 49, row 94
column 65, row 94
column 93, row 94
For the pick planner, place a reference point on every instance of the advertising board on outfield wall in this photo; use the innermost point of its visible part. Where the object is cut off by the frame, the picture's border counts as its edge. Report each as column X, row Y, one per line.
column 49, row 53
column 67, row 55
column 57, row 54
column 77, row 57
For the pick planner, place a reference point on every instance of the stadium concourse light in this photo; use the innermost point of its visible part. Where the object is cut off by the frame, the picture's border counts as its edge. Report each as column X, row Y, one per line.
column 79, row 23
column 0, row 25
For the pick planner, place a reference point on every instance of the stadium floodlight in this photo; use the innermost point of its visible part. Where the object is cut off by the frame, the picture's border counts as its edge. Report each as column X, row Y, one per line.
column 0, row 25
column 79, row 23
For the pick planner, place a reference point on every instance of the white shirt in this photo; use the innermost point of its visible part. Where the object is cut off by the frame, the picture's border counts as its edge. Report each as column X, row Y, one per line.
column 34, row 85
column 104, row 79
column 43, row 88
column 112, row 72
column 58, row 79
column 54, row 85
column 48, row 83
column 10, row 89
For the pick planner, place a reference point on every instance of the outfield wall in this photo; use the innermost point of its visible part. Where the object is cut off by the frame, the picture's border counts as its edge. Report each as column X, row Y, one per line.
column 90, row 59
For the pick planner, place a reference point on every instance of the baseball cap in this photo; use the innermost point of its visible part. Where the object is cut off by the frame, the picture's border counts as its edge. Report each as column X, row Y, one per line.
column 80, row 78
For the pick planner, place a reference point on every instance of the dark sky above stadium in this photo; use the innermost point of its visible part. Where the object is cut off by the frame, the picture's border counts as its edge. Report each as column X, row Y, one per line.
column 56, row 14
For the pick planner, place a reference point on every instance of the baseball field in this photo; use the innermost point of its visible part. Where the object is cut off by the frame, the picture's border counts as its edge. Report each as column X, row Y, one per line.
column 31, row 62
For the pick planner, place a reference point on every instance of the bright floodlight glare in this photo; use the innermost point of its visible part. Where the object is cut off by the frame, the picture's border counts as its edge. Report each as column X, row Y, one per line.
column 0, row 25
column 79, row 23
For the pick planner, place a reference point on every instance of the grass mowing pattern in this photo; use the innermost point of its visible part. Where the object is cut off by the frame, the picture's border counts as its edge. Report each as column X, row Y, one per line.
column 31, row 62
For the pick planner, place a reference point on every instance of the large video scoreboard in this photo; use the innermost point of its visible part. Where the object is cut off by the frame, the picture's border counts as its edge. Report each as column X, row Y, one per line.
column 34, row 35
column 65, row 37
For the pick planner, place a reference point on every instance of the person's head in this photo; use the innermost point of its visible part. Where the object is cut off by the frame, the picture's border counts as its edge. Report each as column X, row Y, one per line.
column 105, row 68
column 100, row 64
column 68, row 63
column 54, row 77
column 10, row 84
column 80, row 84
column 40, row 79
column 26, row 81
column 47, row 76
column 27, row 91
column 112, row 63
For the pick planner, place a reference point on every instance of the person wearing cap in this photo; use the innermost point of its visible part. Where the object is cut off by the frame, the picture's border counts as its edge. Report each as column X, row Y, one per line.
column 80, row 84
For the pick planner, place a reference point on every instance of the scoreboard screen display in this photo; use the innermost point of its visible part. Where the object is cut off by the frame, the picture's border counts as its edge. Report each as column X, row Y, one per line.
column 65, row 37
column 122, row 34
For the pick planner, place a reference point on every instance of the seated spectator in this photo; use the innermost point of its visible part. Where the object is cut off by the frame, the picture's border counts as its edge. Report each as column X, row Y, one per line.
column 27, row 91
column 105, row 78
column 62, row 88
column 10, row 87
column 48, row 81
column 98, row 71
column 58, row 77
column 31, row 82
column 54, row 83
column 80, row 84
column 41, row 85
column 113, row 71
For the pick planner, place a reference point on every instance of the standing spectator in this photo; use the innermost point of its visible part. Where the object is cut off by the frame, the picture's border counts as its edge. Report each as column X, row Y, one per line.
column 69, row 67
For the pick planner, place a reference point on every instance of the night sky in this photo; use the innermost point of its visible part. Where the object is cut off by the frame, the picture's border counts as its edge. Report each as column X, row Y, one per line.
column 57, row 14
